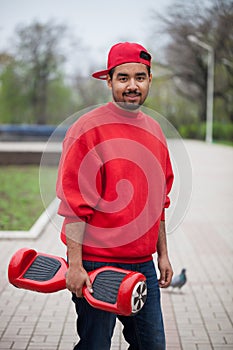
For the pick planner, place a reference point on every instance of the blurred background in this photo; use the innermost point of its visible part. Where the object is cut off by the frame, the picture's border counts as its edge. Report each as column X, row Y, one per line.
column 49, row 49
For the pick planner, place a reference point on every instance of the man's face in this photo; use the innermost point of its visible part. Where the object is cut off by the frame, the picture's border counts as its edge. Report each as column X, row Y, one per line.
column 130, row 85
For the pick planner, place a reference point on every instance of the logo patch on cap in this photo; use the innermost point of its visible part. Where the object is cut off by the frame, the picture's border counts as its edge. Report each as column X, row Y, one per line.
column 145, row 56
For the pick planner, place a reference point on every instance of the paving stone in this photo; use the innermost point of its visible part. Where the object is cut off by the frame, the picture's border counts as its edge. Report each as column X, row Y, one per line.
column 6, row 344
column 203, row 346
column 20, row 345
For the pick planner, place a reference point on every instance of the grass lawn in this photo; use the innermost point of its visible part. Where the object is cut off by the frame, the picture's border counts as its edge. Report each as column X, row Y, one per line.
column 20, row 196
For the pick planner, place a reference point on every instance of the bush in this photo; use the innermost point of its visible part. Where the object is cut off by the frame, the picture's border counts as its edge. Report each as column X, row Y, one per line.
column 221, row 131
column 192, row 131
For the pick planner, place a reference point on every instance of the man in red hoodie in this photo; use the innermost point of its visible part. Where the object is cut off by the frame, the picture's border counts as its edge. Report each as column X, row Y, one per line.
column 113, row 182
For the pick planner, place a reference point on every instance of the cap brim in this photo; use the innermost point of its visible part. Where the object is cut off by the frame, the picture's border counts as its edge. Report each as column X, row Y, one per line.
column 101, row 74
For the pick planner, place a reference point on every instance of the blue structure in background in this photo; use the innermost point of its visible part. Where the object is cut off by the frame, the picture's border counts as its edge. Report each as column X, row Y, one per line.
column 31, row 132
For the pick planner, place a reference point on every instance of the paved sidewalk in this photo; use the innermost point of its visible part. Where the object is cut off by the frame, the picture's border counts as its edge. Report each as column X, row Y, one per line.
column 199, row 317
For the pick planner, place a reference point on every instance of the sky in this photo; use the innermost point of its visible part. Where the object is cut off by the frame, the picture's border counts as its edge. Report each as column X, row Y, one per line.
column 97, row 23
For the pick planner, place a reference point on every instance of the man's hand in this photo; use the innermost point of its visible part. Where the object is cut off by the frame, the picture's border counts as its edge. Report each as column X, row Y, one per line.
column 166, row 271
column 163, row 260
column 76, row 276
column 76, row 279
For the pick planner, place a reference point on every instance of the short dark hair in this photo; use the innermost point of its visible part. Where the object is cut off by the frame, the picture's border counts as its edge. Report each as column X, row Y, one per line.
column 113, row 69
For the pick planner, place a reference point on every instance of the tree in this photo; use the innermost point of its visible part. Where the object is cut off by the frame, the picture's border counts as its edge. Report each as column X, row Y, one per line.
column 166, row 100
column 38, row 49
column 33, row 84
column 213, row 25
column 12, row 93
column 89, row 91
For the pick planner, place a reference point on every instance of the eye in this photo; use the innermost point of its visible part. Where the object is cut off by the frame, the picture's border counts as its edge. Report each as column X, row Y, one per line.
column 123, row 79
column 141, row 78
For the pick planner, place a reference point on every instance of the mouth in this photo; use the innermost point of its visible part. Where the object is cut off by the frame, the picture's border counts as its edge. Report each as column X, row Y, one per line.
column 132, row 96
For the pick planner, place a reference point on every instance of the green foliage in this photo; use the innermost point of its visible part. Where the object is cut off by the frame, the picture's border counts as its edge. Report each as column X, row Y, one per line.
column 165, row 99
column 61, row 101
column 192, row 131
column 33, row 86
column 38, row 47
column 32, row 89
column 221, row 131
column 13, row 98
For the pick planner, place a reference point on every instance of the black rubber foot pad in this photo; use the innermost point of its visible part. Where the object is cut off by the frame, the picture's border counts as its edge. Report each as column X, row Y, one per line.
column 43, row 268
column 106, row 286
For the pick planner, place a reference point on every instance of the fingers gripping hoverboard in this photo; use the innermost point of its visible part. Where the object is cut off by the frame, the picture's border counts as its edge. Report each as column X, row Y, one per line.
column 116, row 290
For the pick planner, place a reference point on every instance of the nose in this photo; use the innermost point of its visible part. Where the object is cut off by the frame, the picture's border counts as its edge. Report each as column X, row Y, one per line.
column 132, row 85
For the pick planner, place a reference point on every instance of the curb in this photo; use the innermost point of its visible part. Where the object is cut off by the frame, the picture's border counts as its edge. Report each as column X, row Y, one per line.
column 38, row 227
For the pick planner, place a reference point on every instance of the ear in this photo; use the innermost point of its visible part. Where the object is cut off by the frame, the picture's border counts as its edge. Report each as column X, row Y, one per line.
column 150, row 78
column 109, row 81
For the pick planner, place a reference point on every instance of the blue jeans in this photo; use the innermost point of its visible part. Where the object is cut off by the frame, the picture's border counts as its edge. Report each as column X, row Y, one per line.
column 144, row 331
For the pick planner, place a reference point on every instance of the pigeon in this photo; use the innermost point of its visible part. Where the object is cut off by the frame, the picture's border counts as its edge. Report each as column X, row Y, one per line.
column 179, row 280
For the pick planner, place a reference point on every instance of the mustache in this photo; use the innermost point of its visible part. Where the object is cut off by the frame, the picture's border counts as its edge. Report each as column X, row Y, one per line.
column 133, row 92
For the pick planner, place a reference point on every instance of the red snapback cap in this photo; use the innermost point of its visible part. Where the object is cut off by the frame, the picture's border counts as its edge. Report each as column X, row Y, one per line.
column 124, row 53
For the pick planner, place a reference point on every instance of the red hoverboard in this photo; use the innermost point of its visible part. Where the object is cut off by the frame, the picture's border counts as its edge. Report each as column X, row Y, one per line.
column 115, row 290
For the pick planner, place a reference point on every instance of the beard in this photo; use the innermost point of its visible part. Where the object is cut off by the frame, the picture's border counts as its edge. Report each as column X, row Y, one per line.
column 129, row 106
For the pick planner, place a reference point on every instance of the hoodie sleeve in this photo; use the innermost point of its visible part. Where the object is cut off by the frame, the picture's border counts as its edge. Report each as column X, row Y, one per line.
column 78, row 197
column 168, row 185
